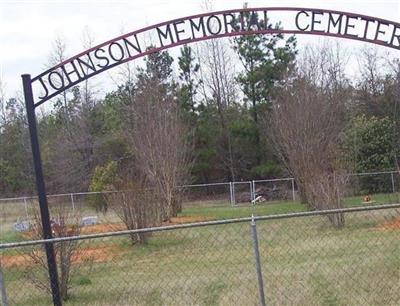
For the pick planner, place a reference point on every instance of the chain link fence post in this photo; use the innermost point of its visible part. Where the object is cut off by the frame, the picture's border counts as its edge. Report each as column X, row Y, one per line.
column 392, row 177
column 232, row 193
column 253, row 192
column 3, row 289
column 26, row 209
column 72, row 202
column 293, row 191
column 258, row 261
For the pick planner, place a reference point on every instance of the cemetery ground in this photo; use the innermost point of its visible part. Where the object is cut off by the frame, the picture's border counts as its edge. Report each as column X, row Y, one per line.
column 303, row 259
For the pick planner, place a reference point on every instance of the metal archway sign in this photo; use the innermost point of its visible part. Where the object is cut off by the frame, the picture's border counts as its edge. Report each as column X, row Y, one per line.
column 177, row 32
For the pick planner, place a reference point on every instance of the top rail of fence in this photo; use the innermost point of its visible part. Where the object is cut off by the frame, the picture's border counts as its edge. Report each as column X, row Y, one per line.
column 205, row 185
column 188, row 186
column 241, row 182
column 374, row 173
column 274, row 180
column 203, row 224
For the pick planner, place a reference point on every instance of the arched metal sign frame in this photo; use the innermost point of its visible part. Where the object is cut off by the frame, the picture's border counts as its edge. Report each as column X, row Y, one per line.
column 171, row 34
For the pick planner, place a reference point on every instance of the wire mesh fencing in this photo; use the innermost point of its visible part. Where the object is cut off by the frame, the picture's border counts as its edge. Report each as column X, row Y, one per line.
column 307, row 261
column 13, row 208
column 303, row 260
column 207, row 195
column 379, row 187
column 274, row 190
column 374, row 183
column 243, row 192
column 192, row 266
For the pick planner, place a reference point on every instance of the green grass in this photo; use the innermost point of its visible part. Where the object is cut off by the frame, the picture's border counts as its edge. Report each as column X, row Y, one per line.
column 226, row 212
column 271, row 208
column 379, row 198
column 10, row 236
column 211, row 211
column 305, row 261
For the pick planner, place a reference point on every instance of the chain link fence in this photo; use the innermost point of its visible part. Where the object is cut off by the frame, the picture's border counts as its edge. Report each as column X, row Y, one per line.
column 17, row 214
column 383, row 185
column 297, row 259
column 207, row 195
column 274, row 190
column 373, row 183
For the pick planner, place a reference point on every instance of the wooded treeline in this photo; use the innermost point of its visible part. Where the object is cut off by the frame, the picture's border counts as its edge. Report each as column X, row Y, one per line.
column 245, row 108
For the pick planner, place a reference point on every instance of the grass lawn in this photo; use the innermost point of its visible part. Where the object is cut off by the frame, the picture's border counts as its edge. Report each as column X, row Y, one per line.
column 305, row 261
column 218, row 210
column 227, row 212
column 270, row 208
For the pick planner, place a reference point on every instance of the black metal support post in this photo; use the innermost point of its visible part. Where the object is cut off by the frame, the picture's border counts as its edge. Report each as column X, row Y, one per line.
column 44, row 209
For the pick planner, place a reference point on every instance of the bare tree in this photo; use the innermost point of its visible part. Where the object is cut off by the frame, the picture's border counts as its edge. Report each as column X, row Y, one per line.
column 307, row 120
column 325, row 65
column 219, row 88
column 136, row 205
column 159, row 140
column 371, row 82
column 65, row 223
column 71, row 142
column 57, row 55
column 370, row 62
column 87, row 90
column 394, row 64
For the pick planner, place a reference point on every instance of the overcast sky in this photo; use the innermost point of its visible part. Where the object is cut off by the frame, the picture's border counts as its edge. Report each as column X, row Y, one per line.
column 28, row 27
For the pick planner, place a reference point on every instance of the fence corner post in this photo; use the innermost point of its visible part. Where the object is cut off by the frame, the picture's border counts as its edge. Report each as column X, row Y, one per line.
column 253, row 192
column 392, row 179
column 26, row 208
column 232, row 193
column 293, row 191
column 72, row 202
column 258, row 261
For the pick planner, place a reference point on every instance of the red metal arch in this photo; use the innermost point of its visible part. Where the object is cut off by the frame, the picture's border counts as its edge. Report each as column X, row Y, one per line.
column 174, row 44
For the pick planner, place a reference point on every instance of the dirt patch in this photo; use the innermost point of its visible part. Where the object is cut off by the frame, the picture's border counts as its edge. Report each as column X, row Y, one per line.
column 390, row 225
column 102, row 228
column 114, row 227
column 86, row 255
column 187, row 219
column 93, row 254
column 98, row 254
column 10, row 261
column 119, row 226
